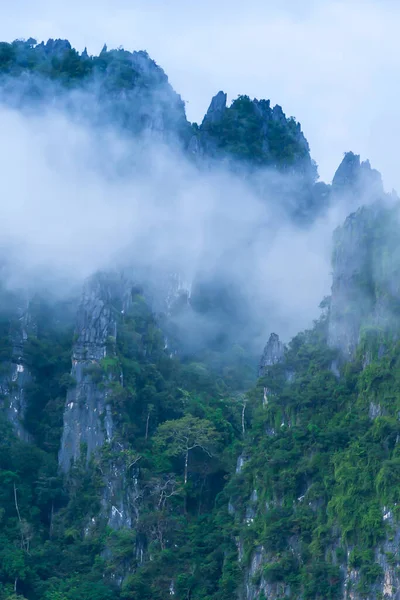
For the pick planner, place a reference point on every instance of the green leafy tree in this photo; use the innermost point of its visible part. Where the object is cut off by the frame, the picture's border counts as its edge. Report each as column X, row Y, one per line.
column 182, row 436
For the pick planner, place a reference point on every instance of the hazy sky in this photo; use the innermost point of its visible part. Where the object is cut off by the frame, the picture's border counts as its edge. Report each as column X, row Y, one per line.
column 335, row 66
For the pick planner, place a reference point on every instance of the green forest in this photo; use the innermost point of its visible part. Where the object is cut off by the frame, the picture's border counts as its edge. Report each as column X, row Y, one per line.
column 312, row 455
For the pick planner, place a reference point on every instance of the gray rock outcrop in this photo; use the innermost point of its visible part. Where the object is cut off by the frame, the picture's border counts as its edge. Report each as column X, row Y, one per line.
column 87, row 418
column 366, row 282
column 273, row 353
column 15, row 375
column 216, row 110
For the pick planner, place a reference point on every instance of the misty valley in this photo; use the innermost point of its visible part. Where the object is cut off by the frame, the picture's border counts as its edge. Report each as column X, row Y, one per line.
column 199, row 345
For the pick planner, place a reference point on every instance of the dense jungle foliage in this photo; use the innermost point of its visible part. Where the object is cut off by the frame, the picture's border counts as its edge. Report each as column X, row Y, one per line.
column 252, row 130
column 316, row 471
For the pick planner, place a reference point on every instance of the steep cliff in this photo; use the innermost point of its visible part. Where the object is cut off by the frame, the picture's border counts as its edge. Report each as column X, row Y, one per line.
column 365, row 289
column 357, row 178
column 87, row 418
column 88, row 424
column 15, row 376
column 273, row 353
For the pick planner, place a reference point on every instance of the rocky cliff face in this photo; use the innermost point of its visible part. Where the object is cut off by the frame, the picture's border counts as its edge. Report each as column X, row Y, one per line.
column 272, row 355
column 216, row 110
column 366, row 285
column 88, row 422
column 352, row 288
column 90, row 430
column 14, row 375
column 358, row 179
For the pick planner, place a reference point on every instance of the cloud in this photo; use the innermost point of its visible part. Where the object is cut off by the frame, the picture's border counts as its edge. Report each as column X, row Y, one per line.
column 330, row 63
column 68, row 209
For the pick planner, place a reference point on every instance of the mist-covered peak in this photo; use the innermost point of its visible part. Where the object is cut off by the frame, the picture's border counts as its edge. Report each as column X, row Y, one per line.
column 53, row 48
column 131, row 91
column 28, row 55
column 354, row 176
column 127, row 90
column 348, row 170
column 216, row 109
column 195, row 243
column 273, row 353
column 251, row 130
column 150, row 203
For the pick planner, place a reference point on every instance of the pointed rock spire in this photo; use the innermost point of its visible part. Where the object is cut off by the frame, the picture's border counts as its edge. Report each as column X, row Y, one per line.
column 273, row 353
column 354, row 176
column 216, row 109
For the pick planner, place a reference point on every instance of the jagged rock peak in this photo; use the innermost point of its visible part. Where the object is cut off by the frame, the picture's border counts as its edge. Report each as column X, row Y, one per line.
column 216, row 109
column 348, row 170
column 273, row 353
column 55, row 47
column 355, row 176
column 278, row 114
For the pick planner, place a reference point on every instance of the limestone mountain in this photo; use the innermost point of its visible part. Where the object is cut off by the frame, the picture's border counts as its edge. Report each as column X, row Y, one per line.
column 146, row 450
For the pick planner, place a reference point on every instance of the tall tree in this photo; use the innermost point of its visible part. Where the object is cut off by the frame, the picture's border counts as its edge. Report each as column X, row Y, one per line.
column 180, row 437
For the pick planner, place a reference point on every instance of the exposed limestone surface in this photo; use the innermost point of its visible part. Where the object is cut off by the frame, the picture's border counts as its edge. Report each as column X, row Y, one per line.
column 252, row 588
column 89, row 425
column 366, row 279
column 273, row 353
column 387, row 587
column 358, row 178
column 87, row 417
column 216, row 109
column 351, row 300
column 88, row 420
column 121, row 493
column 14, row 375
column 366, row 283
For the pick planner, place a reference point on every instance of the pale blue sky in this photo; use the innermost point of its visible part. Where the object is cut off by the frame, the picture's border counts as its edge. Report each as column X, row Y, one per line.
column 334, row 65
